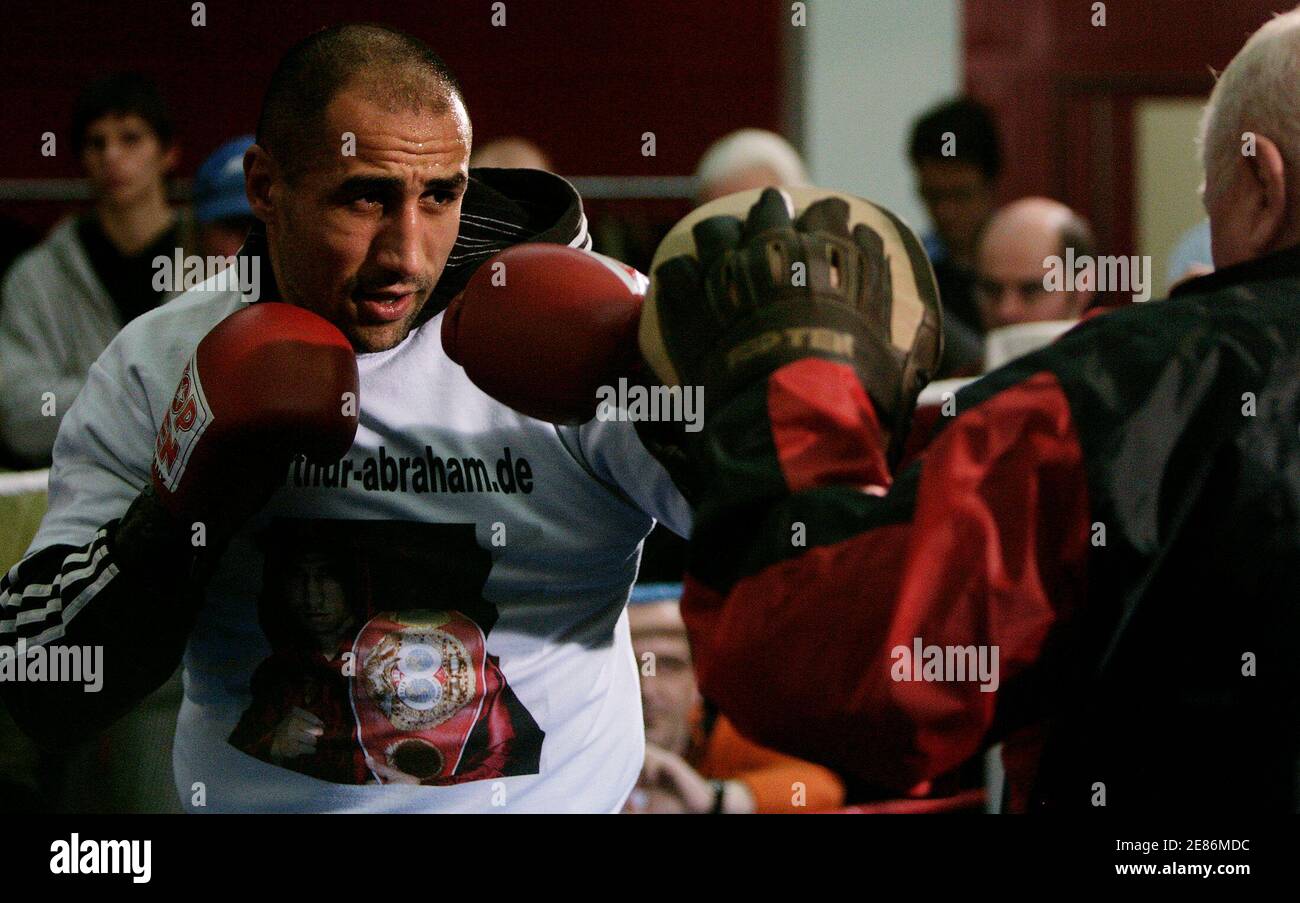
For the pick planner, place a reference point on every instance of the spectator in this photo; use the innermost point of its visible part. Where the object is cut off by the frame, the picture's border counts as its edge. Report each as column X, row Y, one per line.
column 1011, row 285
column 1191, row 256
column 1018, row 312
column 954, row 149
column 64, row 300
column 15, row 238
column 696, row 763
column 221, row 209
column 510, row 153
column 745, row 159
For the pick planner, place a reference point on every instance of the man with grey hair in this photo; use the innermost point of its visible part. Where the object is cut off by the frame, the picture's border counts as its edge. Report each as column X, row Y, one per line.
column 1251, row 148
column 1117, row 514
column 745, row 159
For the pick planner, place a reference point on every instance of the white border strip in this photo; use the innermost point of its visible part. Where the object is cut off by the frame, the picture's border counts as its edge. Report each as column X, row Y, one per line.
column 24, row 482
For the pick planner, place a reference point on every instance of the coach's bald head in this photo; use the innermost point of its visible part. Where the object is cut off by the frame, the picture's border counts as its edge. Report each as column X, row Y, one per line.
column 1250, row 146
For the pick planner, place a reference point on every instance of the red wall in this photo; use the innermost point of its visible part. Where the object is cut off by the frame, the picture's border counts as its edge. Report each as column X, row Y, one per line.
column 584, row 78
column 1064, row 89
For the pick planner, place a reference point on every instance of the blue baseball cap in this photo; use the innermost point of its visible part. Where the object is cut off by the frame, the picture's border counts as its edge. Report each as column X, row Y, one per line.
column 644, row 593
column 219, row 183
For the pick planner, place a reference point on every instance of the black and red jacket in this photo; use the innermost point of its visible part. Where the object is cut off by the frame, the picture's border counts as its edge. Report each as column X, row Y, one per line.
column 1118, row 513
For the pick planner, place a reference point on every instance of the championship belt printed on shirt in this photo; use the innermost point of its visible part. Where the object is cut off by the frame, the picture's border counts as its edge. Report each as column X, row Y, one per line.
column 365, row 682
column 419, row 689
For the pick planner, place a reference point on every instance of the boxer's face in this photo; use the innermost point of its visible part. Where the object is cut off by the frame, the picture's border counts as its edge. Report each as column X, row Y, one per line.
column 363, row 233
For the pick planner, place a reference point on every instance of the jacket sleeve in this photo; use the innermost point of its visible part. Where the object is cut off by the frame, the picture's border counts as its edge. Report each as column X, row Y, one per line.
column 94, row 578
column 29, row 368
column 813, row 580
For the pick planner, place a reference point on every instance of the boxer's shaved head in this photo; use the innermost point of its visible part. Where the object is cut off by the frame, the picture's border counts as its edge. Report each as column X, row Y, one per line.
column 390, row 68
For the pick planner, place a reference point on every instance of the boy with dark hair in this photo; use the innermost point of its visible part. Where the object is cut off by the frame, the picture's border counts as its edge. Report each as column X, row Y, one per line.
column 64, row 300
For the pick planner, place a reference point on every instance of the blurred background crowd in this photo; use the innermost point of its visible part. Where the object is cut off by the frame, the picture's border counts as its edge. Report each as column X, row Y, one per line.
column 1004, row 133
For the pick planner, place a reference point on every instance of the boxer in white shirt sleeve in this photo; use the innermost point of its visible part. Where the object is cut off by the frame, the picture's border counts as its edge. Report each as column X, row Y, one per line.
column 433, row 622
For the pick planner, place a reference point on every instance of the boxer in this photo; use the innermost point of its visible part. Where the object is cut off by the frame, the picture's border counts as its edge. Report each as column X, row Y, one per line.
column 305, row 497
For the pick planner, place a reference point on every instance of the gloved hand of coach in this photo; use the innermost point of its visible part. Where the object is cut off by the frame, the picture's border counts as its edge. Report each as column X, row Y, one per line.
column 731, row 302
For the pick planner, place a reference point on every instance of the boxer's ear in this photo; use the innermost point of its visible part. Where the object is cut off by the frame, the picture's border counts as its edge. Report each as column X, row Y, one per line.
column 260, row 172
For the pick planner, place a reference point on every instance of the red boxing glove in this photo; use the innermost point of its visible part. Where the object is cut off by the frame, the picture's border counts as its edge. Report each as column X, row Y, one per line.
column 541, row 327
column 267, row 383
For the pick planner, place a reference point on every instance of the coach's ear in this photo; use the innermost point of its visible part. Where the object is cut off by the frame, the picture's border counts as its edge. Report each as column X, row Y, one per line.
column 1268, row 169
column 1261, row 199
column 261, row 178
column 1248, row 205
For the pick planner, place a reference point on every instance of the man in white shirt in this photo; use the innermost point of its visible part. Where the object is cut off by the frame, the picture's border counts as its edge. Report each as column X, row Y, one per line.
column 434, row 622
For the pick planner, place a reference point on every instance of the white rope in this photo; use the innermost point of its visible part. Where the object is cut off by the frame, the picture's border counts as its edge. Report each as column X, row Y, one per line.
column 26, row 482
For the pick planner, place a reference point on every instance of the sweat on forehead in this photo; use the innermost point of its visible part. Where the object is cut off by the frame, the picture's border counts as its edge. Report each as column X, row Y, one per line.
column 393, row 70
column 404, row 90
column 367, row 106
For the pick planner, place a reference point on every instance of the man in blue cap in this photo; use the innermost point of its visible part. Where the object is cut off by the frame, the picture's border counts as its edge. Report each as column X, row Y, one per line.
column 220, row 207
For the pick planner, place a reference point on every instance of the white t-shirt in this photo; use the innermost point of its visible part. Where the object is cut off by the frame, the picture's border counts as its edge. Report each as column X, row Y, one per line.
column 435, row 624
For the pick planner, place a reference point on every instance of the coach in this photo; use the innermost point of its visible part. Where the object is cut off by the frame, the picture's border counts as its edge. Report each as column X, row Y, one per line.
column 1118, row 515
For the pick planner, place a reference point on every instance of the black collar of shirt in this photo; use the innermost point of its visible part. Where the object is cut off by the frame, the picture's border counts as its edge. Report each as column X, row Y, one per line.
column 1282, row 264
